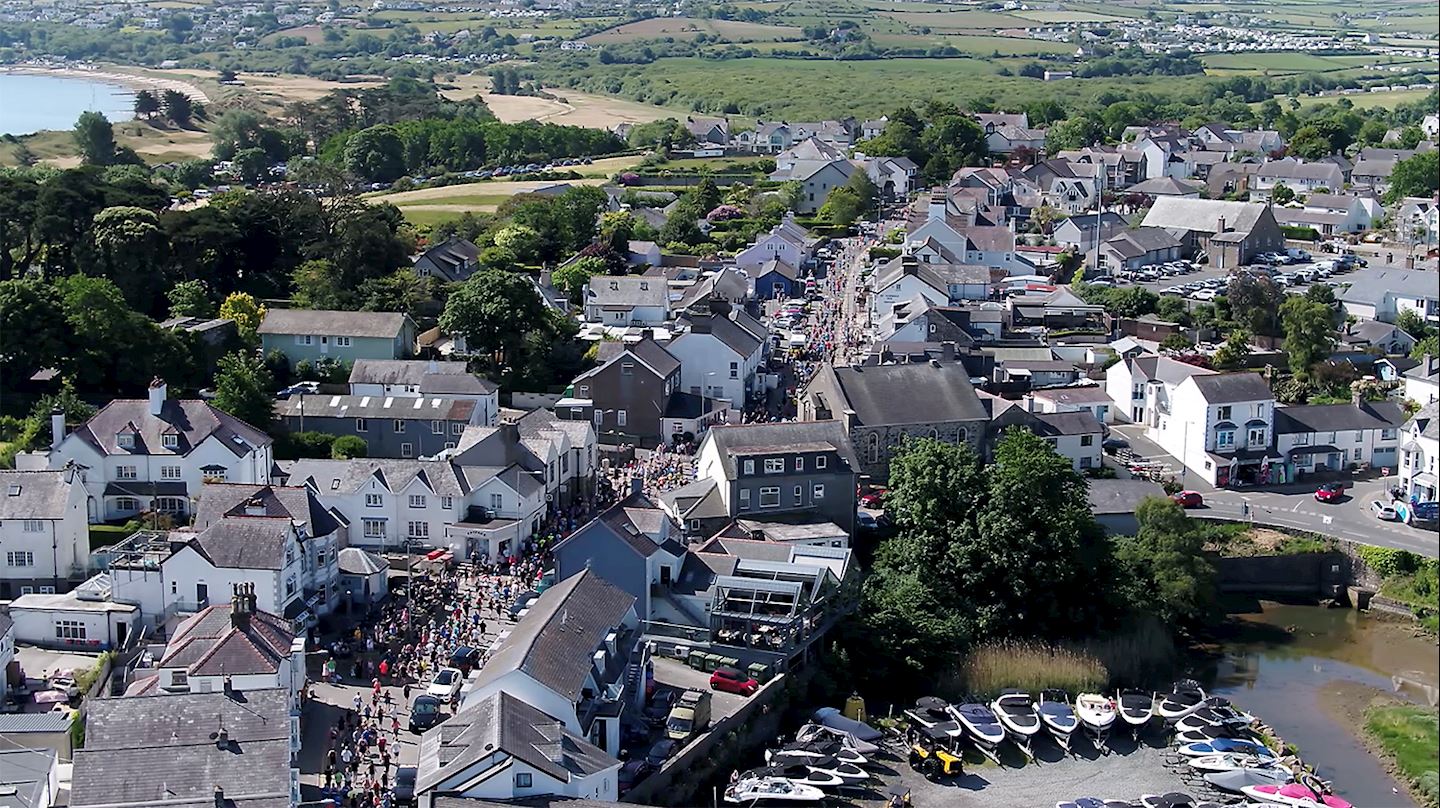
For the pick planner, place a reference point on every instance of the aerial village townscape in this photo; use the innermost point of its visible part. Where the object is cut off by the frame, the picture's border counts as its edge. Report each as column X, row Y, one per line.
column 849, row 403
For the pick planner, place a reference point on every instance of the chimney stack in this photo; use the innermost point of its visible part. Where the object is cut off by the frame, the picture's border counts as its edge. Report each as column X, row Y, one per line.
column 637, row 485
column 57, row 427
column 157, row 395
column 222, row 741
column 219, row 797
column 241, row 606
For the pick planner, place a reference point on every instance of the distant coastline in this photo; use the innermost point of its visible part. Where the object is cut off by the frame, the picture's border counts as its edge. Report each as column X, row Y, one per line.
column 131, row 80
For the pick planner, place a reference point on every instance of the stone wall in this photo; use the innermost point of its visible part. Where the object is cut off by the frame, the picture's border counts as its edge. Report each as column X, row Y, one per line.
column 1320, row 575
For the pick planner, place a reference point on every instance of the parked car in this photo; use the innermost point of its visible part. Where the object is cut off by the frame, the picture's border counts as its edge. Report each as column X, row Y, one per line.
column 1384, row 512
column 466, row 659
column 403, row 792
column 633, row 772
column 873, row 499
column 1113, row 445
column 1330, row 492
column 1204, row 294
column 299, row 389
column 658, row 709
column 661, row 752
column 865, row 520
column 730, row 680
column 446, row 684
column 424, row 713
column 521, row 603
column 1189, row 499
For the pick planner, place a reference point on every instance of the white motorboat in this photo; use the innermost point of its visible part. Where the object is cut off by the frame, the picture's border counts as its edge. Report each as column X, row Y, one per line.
column 1230, row 761
column 1234, row 745
column 807, row 753
column 796, row 774
column 981, row 727
column 819, row 732
column 1016, row 713
column 1097, row 715
column 1058, row 716
column 772, row 791
column 1174, row 799
column 1217, row 712
column 1137, row 707
column 932, row 713
column 849, row 773
column 1235, row 781
column 1184, row 698
column 1094, row 802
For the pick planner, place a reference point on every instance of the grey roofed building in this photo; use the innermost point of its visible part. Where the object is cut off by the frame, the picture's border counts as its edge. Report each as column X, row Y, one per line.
column 191, row 420
column 163, row 751
column 501, row 723
column 425, row 408
column 252, row 543
column 423, row 375
column 731, row 334
column 1203, row 215
column 354, row 561
column 377, row 324
column 1222, row 388
column 34, row 494
column 1372, row 286
column 454, row 259
column 1135, row 243
column 1167, row 370
column 652, row 353
column 218, row 500
column 634, row 290
column 919, row 393
column 213, row 642
column 554, row 641
column 1080, row 422
column 1290, row 168
column 25, row 778
column 938, row 276
column 1165, row 186
column 349, row 476
column 736, row 441
column 1338, row 417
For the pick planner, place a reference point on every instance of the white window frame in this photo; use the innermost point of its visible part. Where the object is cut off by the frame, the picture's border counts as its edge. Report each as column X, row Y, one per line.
column 374, row 528
column 621, row 418
column 817, row 491
column 304, row 339
column 770, row 491
column 799, row 494
column 407, row 450
column 171, row 472
column 33, row 526
column 749, row 466
column 820, row 461
column 399, row 426
column 437, row 427
column 374, row 500
column 417, row 500
column 418, row 530
column 497, row 502
column 170, row 440
column 744, row 499
column 800, row 463
column 774, row 465
column 19, row 558
column 361, row 426
column 447, row 502
column 457, row 428
column 126, row 472
column 342, row 342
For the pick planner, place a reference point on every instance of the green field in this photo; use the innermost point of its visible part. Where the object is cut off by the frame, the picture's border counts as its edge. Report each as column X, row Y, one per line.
column 1369, row 100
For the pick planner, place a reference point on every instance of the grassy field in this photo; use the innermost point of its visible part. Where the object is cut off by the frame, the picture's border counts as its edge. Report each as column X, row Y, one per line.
column 688, row 28
column 428, row 206
column 1408, row 734
column 1368, row 100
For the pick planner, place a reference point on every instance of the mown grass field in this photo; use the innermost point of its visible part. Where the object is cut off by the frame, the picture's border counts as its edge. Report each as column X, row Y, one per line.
column 1368, row 100
column 689, row 28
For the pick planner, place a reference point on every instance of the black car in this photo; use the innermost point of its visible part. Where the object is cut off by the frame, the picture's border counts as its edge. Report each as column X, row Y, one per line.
column 661, row 752
column 403, row 792
column 658, row 709
column 424, row 713
column 633, row 772
column 466, row 659
column 521, row 603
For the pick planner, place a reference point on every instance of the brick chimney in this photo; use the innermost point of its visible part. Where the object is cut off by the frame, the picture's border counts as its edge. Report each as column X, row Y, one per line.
column 242, row 605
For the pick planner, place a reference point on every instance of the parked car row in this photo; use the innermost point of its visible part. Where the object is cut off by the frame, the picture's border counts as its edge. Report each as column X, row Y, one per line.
column 1154, row 272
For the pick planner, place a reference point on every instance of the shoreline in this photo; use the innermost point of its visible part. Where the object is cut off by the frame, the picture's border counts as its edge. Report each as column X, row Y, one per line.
column 131, row 80
column 1349, row 704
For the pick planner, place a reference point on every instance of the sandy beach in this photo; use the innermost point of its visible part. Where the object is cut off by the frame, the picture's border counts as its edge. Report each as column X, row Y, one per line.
column 134, row 80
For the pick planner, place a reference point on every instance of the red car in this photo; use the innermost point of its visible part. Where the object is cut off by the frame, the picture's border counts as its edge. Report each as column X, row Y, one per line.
column 1189, row 499
column 732, row 681
column 874, row 499
column 1330, row 492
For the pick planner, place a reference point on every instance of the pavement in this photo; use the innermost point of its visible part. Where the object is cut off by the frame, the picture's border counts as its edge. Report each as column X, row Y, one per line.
column 1294, row 505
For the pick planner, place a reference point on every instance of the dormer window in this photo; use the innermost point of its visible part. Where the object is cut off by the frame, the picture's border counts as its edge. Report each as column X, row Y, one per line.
column 170, row 441
column 125, row 440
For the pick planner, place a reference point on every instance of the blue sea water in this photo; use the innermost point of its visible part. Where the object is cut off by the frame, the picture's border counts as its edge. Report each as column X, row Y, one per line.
column 32, row 102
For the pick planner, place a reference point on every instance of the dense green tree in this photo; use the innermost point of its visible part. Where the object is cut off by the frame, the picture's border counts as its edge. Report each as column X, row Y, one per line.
column 346, row 447
column 32, row 328
column 252, row 166
column 493, row 311
column 318, row 285
column 95, row 139
column 376, row 154
column 1309, row 332
column 245, row 389
column 130, row 245
column 1163, row 570
column 680, row 225
column 403, row 290
column 146, row 104
column 1235, row 352
column 247, row 314
column 1415, row 176
column 519, row 240
column 1282, row 194
column 1413, row 324
column 1429, row 346
column 572, row 277
column 1255, row 302
column 191, row 299
column 179, row 108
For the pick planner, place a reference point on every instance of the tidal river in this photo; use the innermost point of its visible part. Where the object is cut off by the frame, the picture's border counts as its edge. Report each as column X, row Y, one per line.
column 1309, row 671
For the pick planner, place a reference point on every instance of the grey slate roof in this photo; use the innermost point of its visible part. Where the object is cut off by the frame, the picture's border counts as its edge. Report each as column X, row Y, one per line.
column 1372, row 285
column 349, row 476
column 210, row 644
column 218, row 500
column 159, row 749
column 365, row 324
column 1082, row 422
column 917, row 393
column 1427, row 419
column 20, row 723
column 245, row 542
column 726, row 331
column 429, row 377
column 1338, row 417
column 24, row 776
column 34, row 494
column 625, row 292
column 193, row 421
column 1223, row 388
column 1165, row 369
column 554, row 641
column 424, row 408
column 354, row 561
column 501, row 723
column 780, row 437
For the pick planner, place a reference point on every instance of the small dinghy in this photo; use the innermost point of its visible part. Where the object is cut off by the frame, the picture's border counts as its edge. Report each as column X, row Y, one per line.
column 836, row 720
column 1058, row 716
column 1294, row 795
column 1185, row 697
column 1097, row 716
column 796, row 774
column 1017, row 715
column 1236, row 780
column 981, row 727
column 772, row 791
column 1137, row 707
column 1239, row 746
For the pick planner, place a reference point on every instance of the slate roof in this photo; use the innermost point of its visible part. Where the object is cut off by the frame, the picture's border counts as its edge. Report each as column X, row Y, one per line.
column 627, row 292
column 501, row 723
column 1371, row 286
column 365, row 324
column 218, row 500
column 1069, row 423
column 553, row 642
column 424, row 408
column 1203, row 215
column 1165, row 369
column 1135, row 243
column 209, row 643
column 633, row 522
column 1121, row 496
column 1290, row 168
column 349, row 476
column 24, row 777
column 778, row 267
column 450, row 258
column 1224, row 388
column 245, row 542
column 918, row 393
column 1427, row 420
column 161, row 750
column 730, row 334
column 779, row 437
column 354, row 561
column 1164, row 186
column 34, row 494
column 1073, row 395
column 193, row 421
column 440, row 378
column 1338, row 417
